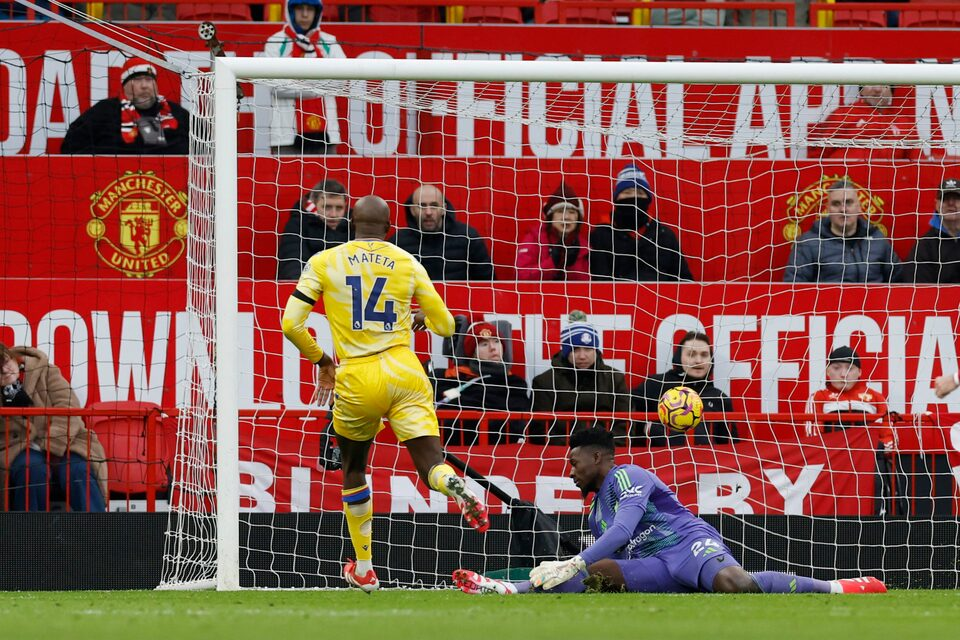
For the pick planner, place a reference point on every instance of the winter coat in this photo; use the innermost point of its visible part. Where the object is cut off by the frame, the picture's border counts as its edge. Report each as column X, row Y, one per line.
column 454, row 252
column 651, row 256
column 565, row 388
column 306, row 234
column 47, row 387
column 283, row 121
column 97, row 130
column 821, row 256
column 535, row 256
column 935, row 258
column 501, row 391
column 646, row 397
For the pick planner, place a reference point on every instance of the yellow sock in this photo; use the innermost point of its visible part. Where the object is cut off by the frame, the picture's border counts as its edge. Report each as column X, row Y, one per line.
column 438, row 477
column 358, row 509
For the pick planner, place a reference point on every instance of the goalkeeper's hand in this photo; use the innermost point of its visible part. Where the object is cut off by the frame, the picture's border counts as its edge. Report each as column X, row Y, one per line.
column 552, row 573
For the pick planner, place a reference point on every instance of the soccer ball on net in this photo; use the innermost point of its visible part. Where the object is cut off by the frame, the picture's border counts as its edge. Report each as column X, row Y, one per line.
column 680, row 409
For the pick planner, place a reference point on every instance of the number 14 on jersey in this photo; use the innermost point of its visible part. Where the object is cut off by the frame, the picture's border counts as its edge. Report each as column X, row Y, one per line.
column 365, row 309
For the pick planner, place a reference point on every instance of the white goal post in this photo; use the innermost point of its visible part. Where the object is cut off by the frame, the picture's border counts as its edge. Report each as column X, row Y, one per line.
column 220, row 145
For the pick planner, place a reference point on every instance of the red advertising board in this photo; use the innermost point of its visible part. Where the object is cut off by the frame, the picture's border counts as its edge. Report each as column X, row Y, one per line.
column 824, row 476
column 120, row 339
column 44, row 87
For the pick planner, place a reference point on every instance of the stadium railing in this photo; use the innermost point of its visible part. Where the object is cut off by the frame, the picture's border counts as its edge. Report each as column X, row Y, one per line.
column 911, row 479
column 150, row 451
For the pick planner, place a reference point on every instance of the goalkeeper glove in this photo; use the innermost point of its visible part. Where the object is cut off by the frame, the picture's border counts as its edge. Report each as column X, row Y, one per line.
column 552, row 573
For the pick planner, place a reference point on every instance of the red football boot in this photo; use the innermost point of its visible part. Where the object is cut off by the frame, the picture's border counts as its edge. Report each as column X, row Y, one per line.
column 867, row 584
column 367, row 583
column 474, row 511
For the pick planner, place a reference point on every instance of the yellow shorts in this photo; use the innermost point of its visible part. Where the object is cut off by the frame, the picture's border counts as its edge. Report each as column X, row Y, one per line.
column 390, row 384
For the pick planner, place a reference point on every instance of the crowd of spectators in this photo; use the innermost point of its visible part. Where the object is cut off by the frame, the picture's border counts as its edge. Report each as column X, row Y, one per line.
column 842, row 246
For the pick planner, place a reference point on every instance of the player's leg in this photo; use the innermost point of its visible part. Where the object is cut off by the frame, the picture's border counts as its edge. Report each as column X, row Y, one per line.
column 413, row 419
column 427, row 457
column 736, row 580
column 358, row 511
column 357, row 415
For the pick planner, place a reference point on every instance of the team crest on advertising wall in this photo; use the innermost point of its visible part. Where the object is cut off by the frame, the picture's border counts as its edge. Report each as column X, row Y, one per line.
column 812, row 201
column 138, row 224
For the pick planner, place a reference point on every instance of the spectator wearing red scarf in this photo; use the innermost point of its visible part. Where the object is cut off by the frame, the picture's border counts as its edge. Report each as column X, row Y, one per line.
column 139, row 121
column 313, row 128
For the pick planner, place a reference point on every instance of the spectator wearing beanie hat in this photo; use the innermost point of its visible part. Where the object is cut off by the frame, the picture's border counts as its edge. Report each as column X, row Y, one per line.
column 847, row 399
column 139, row 121
column 557, row 247
column 692, row 367
column 579, row 380
column 634, row 246
column 481, row 380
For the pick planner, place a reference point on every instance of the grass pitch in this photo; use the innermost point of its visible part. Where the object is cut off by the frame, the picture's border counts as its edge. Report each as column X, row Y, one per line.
column 396, row 614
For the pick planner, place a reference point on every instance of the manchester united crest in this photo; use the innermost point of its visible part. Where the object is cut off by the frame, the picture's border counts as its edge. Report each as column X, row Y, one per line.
column 813, row 201
column 138, row 224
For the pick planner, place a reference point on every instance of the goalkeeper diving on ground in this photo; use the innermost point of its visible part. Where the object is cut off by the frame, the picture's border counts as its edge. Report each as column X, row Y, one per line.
column 646, row 541
column 367, row 286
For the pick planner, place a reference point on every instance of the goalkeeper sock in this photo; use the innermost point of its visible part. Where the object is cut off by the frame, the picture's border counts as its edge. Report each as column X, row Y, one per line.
column 437, row 478
column 358, row 509
column 776, row 582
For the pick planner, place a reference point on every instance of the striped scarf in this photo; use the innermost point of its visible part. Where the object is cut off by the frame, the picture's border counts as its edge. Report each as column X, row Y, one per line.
column 306, row 44
column 129, row 117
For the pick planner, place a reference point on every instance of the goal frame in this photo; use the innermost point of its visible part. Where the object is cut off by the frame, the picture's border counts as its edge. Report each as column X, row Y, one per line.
column 229, row 71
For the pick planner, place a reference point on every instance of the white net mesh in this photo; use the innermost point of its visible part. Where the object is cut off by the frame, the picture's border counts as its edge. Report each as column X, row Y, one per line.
column 733, row 176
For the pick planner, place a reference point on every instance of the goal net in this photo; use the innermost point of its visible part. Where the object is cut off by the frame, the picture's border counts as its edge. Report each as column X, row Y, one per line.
column 786, row 222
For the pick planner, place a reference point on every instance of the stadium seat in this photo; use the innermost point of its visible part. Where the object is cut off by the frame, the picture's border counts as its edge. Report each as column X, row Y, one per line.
column 124, row 439
column 382, row 13
column 930, row 18
column 873, row 18
column 550, row 14
column 492, row 15
column 331, row 13
column 233, row 12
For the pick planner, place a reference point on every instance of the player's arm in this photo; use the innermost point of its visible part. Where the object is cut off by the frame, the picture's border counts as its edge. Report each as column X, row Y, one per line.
column 295, row 314
column 436, row 316
column 630, row 509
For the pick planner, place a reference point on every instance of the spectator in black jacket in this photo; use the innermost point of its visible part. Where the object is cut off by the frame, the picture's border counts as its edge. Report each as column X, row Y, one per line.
column 936, row 256
column 447, row 248
column 579, row 380
column 320, row 221
column 138, row 122
column 635, row 246
column 481, row 380
column 692, row 367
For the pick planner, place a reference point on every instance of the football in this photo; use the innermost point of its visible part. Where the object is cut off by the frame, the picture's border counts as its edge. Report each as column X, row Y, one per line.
column 680, row 409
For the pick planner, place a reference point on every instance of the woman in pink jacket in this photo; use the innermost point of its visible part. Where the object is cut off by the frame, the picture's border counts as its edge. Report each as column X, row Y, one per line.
column 557, row 248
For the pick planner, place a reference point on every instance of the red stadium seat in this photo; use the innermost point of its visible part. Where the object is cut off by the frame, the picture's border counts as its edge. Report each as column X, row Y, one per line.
column 859, row 18
column 124, row 439
column 550, row 14
column 233, row 12
column 930, row 18
column 331, row 13
column 492, row 15
column 381, row 13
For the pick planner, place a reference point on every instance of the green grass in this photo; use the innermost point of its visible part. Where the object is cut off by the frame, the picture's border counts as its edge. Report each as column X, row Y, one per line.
column 393, row 614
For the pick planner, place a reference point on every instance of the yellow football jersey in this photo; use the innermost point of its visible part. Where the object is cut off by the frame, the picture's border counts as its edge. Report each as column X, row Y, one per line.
column 367, row 288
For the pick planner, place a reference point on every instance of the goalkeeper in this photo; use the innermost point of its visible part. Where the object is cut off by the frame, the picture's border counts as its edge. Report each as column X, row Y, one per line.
column 646, row 541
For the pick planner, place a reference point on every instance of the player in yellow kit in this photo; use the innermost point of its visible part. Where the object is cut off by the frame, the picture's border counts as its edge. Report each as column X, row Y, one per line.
column 367, row 287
